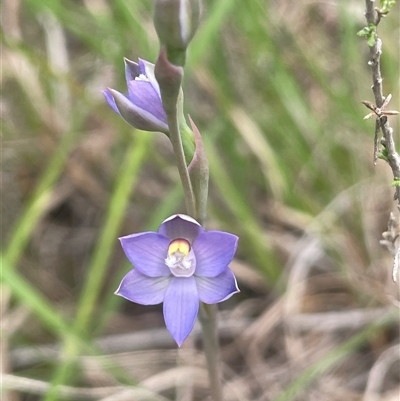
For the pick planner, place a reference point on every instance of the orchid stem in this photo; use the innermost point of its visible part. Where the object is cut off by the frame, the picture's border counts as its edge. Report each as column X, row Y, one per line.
column 176, row 140
column 169, row 78
column 208, row 320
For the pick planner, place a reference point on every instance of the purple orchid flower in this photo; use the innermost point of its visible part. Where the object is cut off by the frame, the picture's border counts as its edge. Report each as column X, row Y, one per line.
column 142, row 107
column 180, row 265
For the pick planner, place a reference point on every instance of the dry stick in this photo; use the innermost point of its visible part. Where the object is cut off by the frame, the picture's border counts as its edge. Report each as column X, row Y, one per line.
column 373, row 17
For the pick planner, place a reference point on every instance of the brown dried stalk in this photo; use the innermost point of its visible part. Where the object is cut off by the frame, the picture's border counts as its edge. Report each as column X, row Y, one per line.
column 373, row 17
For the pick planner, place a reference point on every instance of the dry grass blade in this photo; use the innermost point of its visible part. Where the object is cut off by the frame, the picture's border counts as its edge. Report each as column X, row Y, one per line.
column 388, row 361
column 38, row 387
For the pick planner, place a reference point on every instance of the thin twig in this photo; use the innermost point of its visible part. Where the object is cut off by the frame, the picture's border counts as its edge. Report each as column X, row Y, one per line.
column 373, row 17
column 390, row 241
column 376, row 140
column 393, row 158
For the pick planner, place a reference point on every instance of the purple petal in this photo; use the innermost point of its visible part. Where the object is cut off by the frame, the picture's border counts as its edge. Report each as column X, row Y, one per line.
column 142, row 67
column 147, row 68
column 217, row 289
column 135, row 116
column 214, row 251
column 147, row 252
column 180, row 226
column 136, row 287
column 132, row 70
column 142, row 94
column 110, row 100
column 181, row 305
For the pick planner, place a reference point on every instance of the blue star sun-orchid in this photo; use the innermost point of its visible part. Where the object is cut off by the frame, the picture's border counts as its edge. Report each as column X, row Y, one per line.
column 142, row 106
column 180, row 265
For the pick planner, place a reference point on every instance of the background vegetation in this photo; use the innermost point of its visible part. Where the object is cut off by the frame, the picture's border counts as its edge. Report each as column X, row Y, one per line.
column 275, row 87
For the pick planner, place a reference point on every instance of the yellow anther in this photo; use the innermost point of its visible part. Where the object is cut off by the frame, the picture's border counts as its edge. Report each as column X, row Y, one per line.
column 179, row 245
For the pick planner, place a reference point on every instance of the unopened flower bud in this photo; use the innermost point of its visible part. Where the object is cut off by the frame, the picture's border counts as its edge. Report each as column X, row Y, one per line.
column 176, row 22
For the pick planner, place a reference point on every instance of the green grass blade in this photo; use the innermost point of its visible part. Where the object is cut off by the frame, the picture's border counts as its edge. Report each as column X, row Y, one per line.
column 32, row 213
column 255, row 239
column 126, row 181
column 29, row 296
column 134, row 158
